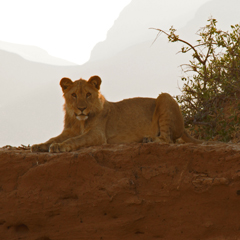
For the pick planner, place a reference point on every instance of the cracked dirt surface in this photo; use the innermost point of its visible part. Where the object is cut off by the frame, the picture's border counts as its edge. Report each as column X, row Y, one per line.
column 135, row 191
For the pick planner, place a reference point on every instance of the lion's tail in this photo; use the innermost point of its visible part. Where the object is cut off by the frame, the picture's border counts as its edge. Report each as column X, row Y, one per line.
column 187, row 138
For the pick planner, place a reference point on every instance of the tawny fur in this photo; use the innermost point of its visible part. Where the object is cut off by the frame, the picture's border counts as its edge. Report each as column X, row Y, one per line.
column 91, row 120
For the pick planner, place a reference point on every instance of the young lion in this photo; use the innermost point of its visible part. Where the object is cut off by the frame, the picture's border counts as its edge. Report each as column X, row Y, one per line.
column 91, row 120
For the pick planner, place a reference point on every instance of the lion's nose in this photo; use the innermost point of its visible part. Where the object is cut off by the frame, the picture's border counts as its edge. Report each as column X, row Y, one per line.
column 81, row 108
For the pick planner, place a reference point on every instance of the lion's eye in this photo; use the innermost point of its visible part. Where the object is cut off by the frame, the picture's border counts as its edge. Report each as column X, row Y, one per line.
column 88, row 95
column 74, row 95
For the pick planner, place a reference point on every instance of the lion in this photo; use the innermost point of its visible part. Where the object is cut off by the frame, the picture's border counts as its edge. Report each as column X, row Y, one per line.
column 91, row 120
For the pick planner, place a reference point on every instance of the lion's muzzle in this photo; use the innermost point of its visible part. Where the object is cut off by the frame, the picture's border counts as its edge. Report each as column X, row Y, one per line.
column 81, row 117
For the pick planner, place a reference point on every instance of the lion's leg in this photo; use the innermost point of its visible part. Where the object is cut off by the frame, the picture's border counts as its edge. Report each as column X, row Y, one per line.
column 91, row 138
column 167, row 119
column 163, row 118
column 154, row 132
column 44, row 147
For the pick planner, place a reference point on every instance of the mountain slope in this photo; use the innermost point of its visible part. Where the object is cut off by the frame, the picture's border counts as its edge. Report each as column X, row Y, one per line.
column 132, row 25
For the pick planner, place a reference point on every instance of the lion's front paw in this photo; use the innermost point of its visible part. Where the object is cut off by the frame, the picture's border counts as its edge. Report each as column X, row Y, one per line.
column 54, row 148
column 147, row 140
column 39, row 147
column 59, row 147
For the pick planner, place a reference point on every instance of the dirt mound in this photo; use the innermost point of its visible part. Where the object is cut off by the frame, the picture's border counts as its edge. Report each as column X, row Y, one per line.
column 136, row 191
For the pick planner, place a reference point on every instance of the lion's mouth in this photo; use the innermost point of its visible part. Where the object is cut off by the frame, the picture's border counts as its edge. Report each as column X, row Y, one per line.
column 81, row 117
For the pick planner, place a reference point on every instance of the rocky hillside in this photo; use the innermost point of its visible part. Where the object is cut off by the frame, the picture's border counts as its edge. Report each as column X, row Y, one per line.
column 137, row 191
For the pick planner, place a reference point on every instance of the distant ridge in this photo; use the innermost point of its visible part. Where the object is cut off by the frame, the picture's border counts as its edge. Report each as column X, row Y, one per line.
column 133, row 23
column 34, row 54
column 225, row 12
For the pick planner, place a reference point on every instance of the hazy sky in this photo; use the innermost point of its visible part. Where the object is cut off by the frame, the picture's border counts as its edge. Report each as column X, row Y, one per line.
column 67, row 29
column 61, row 27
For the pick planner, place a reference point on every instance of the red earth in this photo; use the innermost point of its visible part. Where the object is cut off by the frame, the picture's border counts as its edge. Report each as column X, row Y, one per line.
column 134, row 191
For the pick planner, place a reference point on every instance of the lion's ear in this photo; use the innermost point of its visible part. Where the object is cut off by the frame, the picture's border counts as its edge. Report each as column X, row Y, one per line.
column 95, row 81
column 65, row 83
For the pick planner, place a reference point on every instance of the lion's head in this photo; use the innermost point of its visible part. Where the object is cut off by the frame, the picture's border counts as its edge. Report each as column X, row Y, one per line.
column 82, row 98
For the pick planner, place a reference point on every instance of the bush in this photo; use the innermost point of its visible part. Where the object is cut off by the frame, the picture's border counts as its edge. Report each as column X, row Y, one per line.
column 210, row 95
